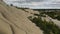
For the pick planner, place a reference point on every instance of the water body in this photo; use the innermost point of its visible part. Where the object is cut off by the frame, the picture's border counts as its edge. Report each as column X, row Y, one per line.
column 35, row 4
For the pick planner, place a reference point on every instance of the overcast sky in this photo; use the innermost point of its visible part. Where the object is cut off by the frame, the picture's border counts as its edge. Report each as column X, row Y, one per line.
column 36, row 4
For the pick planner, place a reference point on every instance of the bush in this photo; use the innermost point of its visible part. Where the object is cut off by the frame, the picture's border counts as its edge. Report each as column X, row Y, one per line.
column 11, row 4
column 53, row 15
column 47, row 27
column 36, row 14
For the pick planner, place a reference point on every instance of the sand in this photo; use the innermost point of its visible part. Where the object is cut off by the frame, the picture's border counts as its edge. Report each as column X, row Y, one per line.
column 15, row 21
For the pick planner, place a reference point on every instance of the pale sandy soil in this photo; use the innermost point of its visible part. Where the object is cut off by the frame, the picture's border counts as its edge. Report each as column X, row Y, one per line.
column 15, row 21
column 57, row 22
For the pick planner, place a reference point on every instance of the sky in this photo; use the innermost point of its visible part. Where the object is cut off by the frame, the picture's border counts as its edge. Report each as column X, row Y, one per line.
column 35, row 4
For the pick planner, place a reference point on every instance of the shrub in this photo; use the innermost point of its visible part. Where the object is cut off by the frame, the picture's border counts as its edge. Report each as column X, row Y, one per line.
column 11, row 5
column 47, row 27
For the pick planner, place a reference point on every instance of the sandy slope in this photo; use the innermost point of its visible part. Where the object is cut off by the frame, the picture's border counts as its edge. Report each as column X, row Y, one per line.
column 15, row 21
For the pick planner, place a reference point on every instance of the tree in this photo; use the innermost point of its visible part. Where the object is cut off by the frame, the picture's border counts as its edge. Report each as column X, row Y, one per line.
column 11, row 5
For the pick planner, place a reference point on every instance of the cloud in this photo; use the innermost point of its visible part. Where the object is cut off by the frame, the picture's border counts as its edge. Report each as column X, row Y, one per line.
column 35, row 3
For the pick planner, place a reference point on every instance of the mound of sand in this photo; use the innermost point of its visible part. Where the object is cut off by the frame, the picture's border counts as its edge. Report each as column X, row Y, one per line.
column 15, row 21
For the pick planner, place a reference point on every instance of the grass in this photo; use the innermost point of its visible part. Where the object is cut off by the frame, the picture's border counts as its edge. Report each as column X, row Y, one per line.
column 47, row 27
column 53, row 13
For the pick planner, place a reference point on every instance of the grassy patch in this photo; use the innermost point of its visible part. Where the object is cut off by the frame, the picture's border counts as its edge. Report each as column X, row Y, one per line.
column 53, row 15
column 47, row 27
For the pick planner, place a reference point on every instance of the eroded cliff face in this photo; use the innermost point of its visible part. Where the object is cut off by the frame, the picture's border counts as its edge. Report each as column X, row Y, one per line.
column 15, row 21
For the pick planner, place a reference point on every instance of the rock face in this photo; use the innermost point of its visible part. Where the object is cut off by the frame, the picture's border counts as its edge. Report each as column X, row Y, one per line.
column 15, row 21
